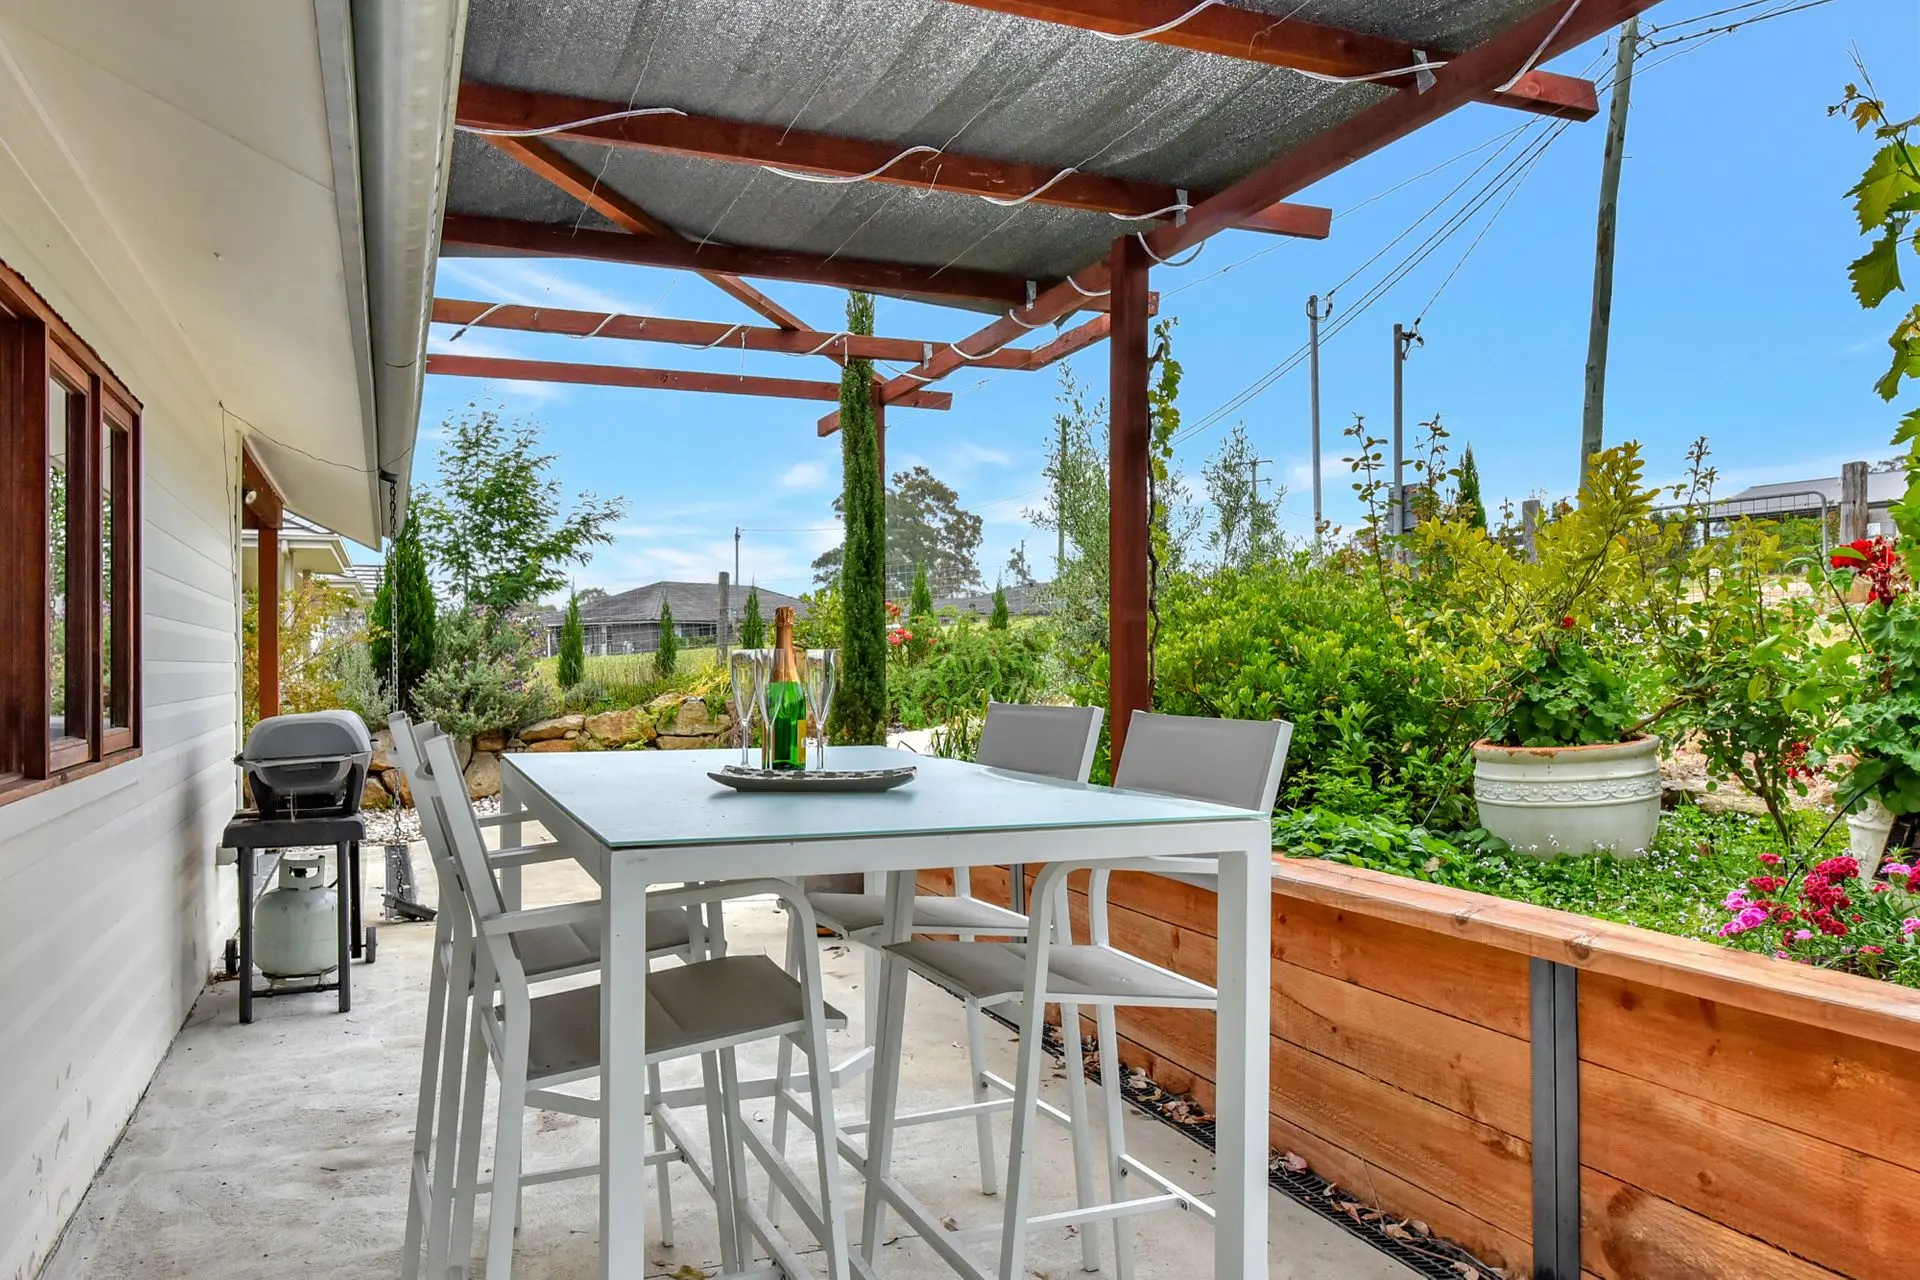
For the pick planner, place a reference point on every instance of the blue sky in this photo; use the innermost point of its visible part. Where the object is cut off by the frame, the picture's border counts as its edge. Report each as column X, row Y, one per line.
column 1731, row 319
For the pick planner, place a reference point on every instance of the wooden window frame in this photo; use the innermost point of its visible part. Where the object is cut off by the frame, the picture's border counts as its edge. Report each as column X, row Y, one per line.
column 37, row 349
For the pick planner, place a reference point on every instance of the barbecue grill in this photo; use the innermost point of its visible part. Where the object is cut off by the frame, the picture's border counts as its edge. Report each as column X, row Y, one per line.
column 307, row 766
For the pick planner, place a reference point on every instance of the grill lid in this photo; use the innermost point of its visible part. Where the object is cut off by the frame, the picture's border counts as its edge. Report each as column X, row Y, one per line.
column 309, row 737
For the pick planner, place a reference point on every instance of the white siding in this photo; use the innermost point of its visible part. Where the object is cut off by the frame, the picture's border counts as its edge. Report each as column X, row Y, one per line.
column 109, row 900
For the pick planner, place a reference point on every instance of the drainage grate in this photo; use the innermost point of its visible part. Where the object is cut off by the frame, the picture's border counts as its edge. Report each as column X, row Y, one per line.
column 1425, row 1255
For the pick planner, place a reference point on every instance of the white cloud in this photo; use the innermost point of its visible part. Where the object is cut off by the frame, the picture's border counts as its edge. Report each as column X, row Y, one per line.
column 968, row 456
column 530, row 284
column 804, row 476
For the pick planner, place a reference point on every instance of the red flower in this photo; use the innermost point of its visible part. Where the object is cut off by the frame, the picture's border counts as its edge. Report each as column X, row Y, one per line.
column 1913, row 880
column 1566, row 623
column 1876, row 560
column 1767, row 884
column 1871, row 950
column 1771, row 859
column 1840, row 867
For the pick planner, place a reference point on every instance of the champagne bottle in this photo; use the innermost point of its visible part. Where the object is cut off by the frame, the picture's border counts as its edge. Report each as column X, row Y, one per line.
column 786, row 700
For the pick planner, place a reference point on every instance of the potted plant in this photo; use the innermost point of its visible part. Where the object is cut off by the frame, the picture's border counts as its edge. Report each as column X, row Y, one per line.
column 1566, row 765
column 1874, row 742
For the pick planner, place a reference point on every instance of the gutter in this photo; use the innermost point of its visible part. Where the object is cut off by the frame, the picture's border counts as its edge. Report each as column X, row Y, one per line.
column 390, row 111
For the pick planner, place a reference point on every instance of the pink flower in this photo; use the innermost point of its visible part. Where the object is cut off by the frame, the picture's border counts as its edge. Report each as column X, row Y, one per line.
column 1735, row 900
column 1910, row 926
column 1892, row 869
column 1771, row 859
column 1749, row 918
column 1801, row 935
column 1871, row 950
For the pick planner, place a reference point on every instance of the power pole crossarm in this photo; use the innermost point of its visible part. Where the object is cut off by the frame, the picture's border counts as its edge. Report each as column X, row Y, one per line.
column 1591, row 433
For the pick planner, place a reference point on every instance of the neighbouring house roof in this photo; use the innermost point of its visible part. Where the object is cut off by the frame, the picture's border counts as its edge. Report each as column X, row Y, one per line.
column 1883, row 487
column 1021, row 601
column 691, row 601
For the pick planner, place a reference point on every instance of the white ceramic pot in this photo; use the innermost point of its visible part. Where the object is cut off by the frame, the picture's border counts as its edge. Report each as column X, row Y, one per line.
column 1554, row 800
column 1867, row 836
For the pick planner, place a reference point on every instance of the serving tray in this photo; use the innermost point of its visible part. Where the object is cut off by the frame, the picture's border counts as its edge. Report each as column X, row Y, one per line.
column 802, row 781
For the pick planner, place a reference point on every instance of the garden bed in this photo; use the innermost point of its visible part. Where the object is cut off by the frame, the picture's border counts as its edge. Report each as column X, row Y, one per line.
column 1739, row 1116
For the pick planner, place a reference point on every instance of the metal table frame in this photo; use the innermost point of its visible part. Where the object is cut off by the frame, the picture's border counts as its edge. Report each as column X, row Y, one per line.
column 626, row 867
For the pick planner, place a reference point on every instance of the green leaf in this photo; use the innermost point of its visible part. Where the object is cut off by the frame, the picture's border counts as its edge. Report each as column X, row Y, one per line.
column 1876, row 273
column 1885, row 183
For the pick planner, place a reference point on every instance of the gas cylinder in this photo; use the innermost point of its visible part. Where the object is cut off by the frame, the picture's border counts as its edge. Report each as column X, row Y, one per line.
column 295, row 925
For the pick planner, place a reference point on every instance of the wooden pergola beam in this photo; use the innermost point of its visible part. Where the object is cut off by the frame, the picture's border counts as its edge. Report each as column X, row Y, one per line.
column 484, row 107
column 1251, row 36
column 961, row 284
column 703, row 333
column 601, row 375
column 563, row 173
column 1467, row 77
column 949, row 361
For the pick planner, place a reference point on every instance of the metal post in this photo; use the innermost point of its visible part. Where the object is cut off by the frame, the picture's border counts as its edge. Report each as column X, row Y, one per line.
column 1555, row 1039
column 1530, row 528
column 1313, row 367
column 1404, row 340
column 1060, row 504
column 723, row 637
column 1603, row 241
column 1853, row 501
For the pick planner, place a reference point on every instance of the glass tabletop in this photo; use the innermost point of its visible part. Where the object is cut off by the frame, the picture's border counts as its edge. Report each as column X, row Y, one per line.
column 663, row 799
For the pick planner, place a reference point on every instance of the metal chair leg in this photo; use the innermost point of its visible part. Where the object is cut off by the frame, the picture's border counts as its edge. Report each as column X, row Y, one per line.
column 982, row 1092
column 663, row 1184
column 1113, row 1102
column 1081, row 1131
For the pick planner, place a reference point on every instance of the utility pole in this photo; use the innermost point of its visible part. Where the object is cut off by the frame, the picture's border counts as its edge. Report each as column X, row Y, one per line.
column 1404, row 340
column 736, row 553
column 1314, row 317
column 1603, row 241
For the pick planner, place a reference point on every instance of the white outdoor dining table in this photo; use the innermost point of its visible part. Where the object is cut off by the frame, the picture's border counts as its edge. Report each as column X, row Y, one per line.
column 642, row 818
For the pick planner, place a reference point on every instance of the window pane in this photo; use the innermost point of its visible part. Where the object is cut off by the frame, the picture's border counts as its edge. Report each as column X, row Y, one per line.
column 58, row 400
column 116, row 576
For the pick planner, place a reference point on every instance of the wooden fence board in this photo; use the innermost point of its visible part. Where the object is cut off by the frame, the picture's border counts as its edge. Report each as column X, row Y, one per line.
column 1628, row 1234
column 1852, row 1212
column 1820, row 1082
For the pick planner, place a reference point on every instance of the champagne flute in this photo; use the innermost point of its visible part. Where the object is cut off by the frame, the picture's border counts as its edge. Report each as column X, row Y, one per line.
column 740, row 670
column 821, row 665
column 762, row 677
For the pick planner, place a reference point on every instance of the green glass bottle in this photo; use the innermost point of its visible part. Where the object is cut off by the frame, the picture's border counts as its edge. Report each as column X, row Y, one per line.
column 786, row 700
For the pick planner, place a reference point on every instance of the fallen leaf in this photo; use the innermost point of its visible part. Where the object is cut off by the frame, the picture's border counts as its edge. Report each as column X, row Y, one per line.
column 1395, row 1231
column 951, row 1224
column 1294, row 1162
column 1419, row 1228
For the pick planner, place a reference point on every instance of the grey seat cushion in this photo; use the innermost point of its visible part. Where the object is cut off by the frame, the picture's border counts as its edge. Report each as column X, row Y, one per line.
column 696, row 1006
column 573, row 948
column 859, row 912
column 992, row 971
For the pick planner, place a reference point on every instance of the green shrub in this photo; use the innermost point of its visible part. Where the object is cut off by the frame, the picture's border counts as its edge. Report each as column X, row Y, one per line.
column 573, row 646
column 970, row 664
column 1374, row 729
column 413, row 622
column 482, row 677
column 1000, row 620
column 669, row 650
column 753, row 627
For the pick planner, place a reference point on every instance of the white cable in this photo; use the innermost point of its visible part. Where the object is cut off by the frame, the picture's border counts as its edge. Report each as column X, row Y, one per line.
column 841, row 180
column 1168, row 262
column 1087, row 293
column 829, row 341
column 570, row 125
column 1535, row 56
column 1014, row 201
column 1415, row 69
column 1163, row 27
column 731, row 329
column 476, row 320
column 1182, row 207
column 1022, row 323
column 605, row 320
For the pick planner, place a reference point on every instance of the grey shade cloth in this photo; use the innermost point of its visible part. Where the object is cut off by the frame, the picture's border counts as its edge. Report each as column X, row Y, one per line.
column 571, row 948
column 993, row 971
column 859, row 912
column 705, row 1004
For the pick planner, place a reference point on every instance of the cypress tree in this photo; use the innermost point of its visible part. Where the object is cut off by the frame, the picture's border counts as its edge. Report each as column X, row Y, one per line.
column 406, row 574
column 920, row 603
column 1469, row 501
column 999, row 621
column 753, row 628
column 669, row 652
column 573, row 646
column 860, row 706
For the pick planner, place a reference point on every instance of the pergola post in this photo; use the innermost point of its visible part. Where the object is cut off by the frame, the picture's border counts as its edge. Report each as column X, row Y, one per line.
column 1128, row 688
column 267, row 636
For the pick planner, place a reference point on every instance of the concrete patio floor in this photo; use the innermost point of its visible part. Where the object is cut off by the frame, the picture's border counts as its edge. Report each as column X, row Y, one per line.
column 280, row 1149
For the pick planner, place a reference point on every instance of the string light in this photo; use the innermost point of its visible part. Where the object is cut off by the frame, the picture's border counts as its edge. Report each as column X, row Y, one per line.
column 1534, row 57
column 570, row 125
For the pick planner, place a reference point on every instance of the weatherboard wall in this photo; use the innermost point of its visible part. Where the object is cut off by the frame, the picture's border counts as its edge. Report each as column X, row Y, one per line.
column 108, row 893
